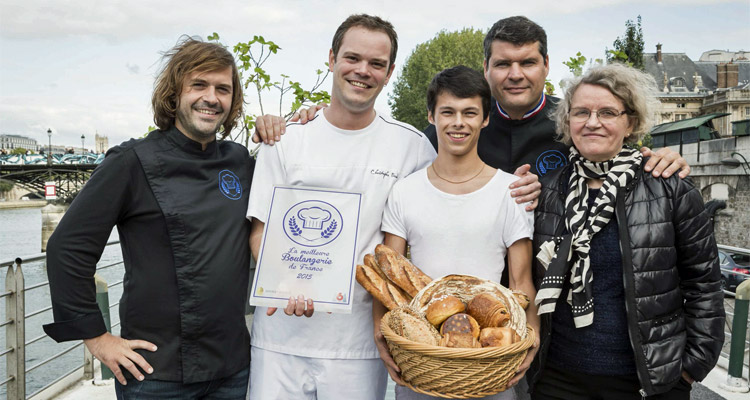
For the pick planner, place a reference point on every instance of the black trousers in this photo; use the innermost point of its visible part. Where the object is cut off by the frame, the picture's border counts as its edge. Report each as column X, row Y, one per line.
column 559, row 384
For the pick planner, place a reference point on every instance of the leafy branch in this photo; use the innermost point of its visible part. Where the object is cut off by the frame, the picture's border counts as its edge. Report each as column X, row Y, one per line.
column 251, row 56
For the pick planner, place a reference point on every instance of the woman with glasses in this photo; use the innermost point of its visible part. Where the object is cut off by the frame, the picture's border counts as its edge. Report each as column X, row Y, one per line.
column 627, row 270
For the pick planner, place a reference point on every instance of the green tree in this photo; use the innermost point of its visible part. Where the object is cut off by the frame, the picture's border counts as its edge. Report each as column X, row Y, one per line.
column 251, row 56
column 18, row 150
column 629, row 48
column 408, row 101
column 5, row 186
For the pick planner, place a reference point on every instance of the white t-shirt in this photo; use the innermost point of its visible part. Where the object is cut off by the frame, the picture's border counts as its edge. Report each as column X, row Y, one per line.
column 457, row 234
column 318, row 154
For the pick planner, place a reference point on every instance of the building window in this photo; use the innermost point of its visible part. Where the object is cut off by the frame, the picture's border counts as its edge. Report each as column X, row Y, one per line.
column 680, row 117
column 680, row 105
column 747, row 111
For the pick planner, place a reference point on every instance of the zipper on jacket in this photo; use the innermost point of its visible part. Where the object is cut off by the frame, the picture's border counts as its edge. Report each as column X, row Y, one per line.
column 628, row 281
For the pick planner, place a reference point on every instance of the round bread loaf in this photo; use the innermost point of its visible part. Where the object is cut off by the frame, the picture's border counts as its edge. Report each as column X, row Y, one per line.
column 412, row 325
column 443, row 307
column 460, row 323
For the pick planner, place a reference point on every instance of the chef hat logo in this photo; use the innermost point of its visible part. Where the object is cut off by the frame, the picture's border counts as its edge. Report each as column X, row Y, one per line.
column 313, row 217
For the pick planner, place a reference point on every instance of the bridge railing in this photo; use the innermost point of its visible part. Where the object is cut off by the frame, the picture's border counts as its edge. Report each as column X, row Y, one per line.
column 15, row 381
column 41, row 159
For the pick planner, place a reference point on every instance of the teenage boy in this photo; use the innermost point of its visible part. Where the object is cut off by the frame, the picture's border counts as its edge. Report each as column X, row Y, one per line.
column 350, row 147
column 457, row 214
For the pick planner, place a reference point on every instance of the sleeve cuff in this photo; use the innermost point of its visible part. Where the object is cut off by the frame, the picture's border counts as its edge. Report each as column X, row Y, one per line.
column 86, row 327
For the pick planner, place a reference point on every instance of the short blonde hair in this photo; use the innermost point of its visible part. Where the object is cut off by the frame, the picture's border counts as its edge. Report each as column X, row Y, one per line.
column 636, row 90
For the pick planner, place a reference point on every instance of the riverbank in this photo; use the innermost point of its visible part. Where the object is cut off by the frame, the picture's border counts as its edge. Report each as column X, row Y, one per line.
column 6, row 205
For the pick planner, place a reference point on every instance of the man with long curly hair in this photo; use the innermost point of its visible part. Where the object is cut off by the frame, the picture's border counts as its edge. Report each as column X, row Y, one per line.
column 178, row 198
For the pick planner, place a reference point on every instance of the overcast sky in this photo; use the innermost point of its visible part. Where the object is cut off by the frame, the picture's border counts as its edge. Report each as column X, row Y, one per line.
column 83, row 66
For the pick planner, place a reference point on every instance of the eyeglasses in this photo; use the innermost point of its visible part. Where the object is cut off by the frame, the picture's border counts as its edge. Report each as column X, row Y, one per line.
column 605, row 115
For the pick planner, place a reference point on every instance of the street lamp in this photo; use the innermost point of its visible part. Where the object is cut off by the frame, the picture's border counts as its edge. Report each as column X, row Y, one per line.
column 83, row 150
column 49, row 148
column 732, row 162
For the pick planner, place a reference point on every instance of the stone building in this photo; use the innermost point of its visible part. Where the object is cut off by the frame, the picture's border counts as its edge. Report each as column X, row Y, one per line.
column 718, row 83
column 717, row 181
column 101, row 144
column 10, row 142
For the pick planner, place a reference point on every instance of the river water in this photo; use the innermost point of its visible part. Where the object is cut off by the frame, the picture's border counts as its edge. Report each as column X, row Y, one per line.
column 21, row 235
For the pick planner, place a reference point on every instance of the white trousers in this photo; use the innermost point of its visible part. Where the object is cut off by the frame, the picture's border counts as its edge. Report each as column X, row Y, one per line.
column 278, row 376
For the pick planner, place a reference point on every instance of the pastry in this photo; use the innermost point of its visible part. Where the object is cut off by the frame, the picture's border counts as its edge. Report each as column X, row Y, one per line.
column 443, row 307
column 460, row 323
column 457, row 339
column 522, row 298
column 497, row 337
column 488, row 310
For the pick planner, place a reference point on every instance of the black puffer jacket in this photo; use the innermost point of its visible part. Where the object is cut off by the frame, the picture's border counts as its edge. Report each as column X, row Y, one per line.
column 673, row 300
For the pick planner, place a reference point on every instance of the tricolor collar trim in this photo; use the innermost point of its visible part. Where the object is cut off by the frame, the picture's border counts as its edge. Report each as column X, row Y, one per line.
column 531, row 113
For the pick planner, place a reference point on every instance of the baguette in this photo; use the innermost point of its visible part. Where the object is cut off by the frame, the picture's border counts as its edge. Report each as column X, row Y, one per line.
column 400, row 271
column 380, row 288
column 372, row 263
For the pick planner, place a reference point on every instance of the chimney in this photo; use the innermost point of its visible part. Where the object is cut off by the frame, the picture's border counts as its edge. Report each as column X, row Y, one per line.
column 721, row 76
column 658, row 53
column 733, row 75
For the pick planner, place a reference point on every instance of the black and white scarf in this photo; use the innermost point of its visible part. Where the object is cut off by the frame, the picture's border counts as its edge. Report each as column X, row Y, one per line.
column 582, row 224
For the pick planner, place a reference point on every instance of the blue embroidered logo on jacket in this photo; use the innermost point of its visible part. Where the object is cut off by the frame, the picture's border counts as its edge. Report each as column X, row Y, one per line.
column 550, row 160
column 229, row 185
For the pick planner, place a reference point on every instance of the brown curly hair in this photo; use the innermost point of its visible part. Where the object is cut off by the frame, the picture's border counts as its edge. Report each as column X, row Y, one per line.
column 187, row 56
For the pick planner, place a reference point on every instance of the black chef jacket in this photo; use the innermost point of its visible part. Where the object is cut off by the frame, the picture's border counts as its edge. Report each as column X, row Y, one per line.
column 507, row 144
column 180, row 213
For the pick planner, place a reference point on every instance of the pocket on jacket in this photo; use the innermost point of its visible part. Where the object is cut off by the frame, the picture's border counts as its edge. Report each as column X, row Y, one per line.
column 666, row 326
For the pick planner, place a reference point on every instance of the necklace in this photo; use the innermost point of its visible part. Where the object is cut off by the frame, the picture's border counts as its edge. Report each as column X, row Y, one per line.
column 456, row 182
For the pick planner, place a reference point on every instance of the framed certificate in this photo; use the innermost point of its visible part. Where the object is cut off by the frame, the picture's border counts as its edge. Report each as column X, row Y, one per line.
column 308, row 248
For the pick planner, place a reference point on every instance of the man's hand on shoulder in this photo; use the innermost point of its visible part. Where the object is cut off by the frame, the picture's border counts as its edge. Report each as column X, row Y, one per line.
column 114, row 351
column 665, row 162
column 269, row 128
column 527, row 189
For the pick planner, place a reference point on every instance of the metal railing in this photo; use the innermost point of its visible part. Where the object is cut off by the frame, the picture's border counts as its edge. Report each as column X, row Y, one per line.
column 15, row 330
column 737, row 321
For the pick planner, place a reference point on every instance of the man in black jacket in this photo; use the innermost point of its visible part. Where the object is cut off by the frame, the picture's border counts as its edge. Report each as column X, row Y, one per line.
column 178, row 198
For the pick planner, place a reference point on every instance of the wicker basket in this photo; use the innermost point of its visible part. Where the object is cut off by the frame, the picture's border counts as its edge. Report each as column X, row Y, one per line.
column 455, row 372
column 459, row 373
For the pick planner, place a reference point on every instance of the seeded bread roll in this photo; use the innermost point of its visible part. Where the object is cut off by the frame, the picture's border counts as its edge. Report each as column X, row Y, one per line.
column 443, row 307
column 400, row 271
column 460, row 323
column 412, row 325
column 488, row 310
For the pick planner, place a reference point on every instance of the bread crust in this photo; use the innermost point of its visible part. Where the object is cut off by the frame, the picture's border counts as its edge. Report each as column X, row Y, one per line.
column 458, row 339
column 488, row 310
column 497, row 337
column 400, row 271
column 411, row 324
column 441, row 308
column 390, row 296
column 460, row 323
